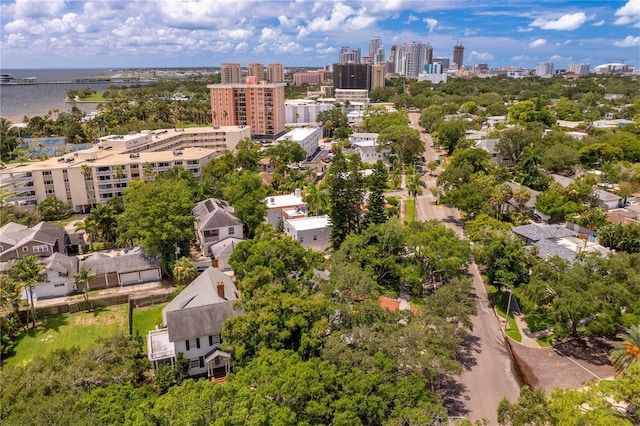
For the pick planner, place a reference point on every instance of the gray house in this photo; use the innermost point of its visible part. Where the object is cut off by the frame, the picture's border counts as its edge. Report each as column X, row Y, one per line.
column 193, row 325
column 120, row 267
column 18, row 241
column 218, row 230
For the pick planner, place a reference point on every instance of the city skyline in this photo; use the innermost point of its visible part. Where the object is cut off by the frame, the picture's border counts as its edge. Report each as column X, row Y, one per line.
column 86, row 34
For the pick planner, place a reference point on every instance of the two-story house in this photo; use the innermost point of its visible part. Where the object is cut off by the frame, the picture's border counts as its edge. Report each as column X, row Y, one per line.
column 18, row 241
column 193, row 325
column 281, row 207
column 218, row 230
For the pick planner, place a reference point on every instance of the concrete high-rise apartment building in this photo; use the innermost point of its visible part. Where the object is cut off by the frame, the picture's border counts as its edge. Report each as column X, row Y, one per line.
column 458, row 55
column 348, row 55
column 378, row 71
column 391, row 63
column 256, row 70
column 410, row 59
column 275, row 73
column 580, row 69
column 230, row 73
column 544, row 69
column 352, row 76
column 376, row 50
column 308, row 77
column 256, row 104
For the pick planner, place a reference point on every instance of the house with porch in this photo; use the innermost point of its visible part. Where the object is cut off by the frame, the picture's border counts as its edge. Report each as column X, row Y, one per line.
column 193, row 323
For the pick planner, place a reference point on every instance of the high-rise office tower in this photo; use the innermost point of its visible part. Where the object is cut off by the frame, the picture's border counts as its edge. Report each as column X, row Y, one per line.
column 256, row 104
column 580, row 69
column 256, row 70
column 376, row 50
column 443, row 60
column 458, row 55
column 352, row 76
column 348, row 55
column 378, row 71
column 391, row 64
column 275, row 73
column 230, row 73
column 428, row 55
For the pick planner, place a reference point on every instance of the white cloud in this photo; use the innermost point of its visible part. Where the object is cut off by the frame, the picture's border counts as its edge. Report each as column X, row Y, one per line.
column 469, row 32
column 241, row 47
column 286, row 22
column 411, row 19
column 538, row 42
column 524, row 30
column 599, row 23
column 629, row 14
column 481, row 56
column 567, row 22
column 432, row 24
column 558, row 58
column 520, row 58
column 269, row 34
column 38, row 9
column 629, row 41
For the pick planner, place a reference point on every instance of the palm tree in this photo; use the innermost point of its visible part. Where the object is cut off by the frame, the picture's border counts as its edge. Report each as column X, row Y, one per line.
column 85, row 275
column 90, row 227
column 10, row 293
column 118, row 172
column 148, row 172
column 414, row 188
column 184, row 270
column 521, row 196
column 317, row 197
column 627, row 352
column 28, row 272
column 86, row 170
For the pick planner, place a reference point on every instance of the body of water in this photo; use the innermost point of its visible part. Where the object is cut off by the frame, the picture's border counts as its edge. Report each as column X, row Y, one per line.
column 17, row 101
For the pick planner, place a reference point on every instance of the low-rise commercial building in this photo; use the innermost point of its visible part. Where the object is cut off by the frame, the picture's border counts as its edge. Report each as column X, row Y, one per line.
column 307, row 137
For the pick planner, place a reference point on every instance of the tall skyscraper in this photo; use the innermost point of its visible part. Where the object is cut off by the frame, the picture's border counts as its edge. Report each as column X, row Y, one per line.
column 376, row 50
column 256, row 70
column 458, row 55
column 391, row 64
column 352, row 76
column 544, row 69
column 230, row 73
column 410, row 58
column 348, row 55
column 429, row 54
column 256, row 104
column 443, row 60
column 275, row 73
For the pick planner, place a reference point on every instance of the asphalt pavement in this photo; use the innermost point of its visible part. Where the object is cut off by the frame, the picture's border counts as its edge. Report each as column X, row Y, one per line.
column 489, row 373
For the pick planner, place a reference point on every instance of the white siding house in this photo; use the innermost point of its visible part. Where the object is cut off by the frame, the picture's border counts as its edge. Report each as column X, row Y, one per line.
column 312, row 232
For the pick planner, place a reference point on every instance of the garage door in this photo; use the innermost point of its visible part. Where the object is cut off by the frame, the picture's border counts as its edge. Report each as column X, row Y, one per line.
column 149, row 275
column 129, row 278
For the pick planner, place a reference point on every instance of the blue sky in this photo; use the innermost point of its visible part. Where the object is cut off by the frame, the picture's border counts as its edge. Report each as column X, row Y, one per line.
column 174, row 33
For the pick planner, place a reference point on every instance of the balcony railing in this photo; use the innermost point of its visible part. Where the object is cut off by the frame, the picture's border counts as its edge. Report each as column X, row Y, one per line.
column 104, row 173
column 18, row 189
column 16, row 179
column 21, row 198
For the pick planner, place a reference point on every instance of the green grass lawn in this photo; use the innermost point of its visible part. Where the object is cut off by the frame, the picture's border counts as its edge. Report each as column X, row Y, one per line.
column 146, row 319
column 96, row 97
column 63, row 331
column 512, row 331
column 82, row 329
column 410, row 209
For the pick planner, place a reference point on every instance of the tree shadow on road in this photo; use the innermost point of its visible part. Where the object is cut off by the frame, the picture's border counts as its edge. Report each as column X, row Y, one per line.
column 593, row 350
column 453, row 399
column 469, row 347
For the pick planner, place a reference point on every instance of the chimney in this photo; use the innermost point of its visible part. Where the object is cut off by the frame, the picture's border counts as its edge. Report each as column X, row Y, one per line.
column 298, row 193
column 220, row 287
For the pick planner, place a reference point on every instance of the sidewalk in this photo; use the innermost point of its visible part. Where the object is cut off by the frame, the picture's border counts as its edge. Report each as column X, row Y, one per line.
column 527, row 340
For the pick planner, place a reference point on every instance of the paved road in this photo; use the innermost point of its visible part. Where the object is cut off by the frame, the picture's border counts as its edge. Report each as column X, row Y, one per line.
column 489, row 375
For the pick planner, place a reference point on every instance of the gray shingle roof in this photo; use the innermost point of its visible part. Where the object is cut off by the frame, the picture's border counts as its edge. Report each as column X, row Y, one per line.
column 549, row 248
column 534, row 232
column 198, row 310
column 224, row 248
column 214, row 213
column 62, row 263
column 131, row 260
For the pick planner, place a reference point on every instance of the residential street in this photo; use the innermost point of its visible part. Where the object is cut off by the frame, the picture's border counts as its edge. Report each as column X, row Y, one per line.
column 489, row 374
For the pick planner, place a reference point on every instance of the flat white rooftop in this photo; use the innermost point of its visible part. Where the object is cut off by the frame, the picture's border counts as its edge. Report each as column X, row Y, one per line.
column 280, row 201
column 299, row 134
column 309, row 223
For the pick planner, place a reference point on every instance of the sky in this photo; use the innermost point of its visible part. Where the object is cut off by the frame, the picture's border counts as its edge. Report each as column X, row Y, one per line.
column 307, row 33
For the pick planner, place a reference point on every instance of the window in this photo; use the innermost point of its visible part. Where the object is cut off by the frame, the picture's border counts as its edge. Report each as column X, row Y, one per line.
column 25, row 249
column 59, row 285
column 46, row 173
column 187, row 345
column 48, row 182
column 198, row 342
column 315, row 238
column 201, row 362
column 232, row 230
column 195, row 362
column 301, row 239
column 214, row 340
